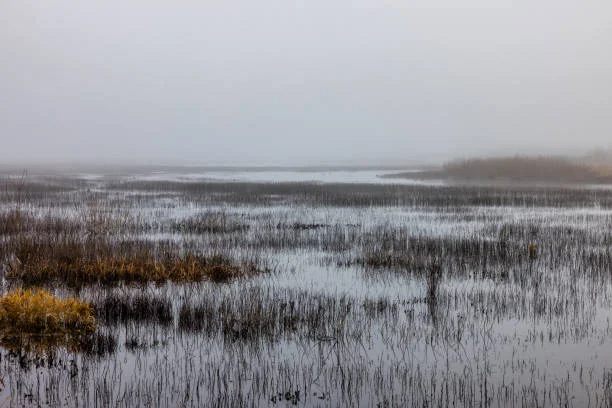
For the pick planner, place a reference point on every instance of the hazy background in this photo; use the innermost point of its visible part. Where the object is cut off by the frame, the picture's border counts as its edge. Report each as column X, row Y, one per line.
column 308, row 82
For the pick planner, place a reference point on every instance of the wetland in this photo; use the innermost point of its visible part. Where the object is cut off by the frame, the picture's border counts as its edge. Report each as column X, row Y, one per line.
column 324, row 289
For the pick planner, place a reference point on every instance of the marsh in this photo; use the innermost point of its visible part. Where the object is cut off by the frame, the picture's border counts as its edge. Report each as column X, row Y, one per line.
column 359, row 292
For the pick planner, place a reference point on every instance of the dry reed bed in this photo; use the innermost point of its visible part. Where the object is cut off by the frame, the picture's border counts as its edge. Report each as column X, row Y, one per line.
column 37, row 259
column 136, row 269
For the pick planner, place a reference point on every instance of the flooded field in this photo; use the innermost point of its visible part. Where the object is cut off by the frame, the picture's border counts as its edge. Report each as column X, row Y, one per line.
column 323, row 290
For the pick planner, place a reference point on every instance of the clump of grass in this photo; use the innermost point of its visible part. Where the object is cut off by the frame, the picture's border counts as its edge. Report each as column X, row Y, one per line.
column 391, row 260
column 211, row 222
column 116, row 308
column 201, row 317
column 11, row 222
column 37, row 312
column 142, row 268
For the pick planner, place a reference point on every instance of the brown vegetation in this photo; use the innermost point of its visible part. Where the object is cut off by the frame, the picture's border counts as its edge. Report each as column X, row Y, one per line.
column 50, row 249
column 518, row 169
column 71, row 268
column 553, row 169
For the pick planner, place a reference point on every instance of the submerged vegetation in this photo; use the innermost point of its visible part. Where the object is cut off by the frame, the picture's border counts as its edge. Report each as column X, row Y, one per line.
column 380, row 295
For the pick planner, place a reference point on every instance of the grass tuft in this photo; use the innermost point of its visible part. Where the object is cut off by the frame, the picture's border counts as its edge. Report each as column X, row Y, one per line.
column 37, row 312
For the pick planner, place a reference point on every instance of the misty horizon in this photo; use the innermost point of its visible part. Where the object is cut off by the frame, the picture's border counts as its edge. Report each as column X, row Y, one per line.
column 277, row 83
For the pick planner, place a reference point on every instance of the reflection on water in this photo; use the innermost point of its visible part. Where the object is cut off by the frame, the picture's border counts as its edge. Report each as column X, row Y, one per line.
column 351, row 314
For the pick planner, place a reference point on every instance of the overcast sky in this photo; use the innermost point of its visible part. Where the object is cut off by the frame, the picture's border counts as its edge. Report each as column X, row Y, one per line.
column 302, row 82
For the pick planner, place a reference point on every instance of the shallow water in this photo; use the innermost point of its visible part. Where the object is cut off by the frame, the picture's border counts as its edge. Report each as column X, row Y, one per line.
column 272, row 176
column 346, row 317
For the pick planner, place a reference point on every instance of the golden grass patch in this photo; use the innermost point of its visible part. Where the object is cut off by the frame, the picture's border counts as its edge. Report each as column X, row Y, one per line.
column 37, row 312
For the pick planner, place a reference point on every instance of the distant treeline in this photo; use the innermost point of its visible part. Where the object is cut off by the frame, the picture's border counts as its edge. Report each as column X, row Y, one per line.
column 599, row 156
column 520, row 169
